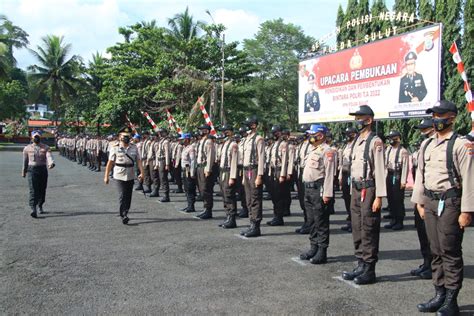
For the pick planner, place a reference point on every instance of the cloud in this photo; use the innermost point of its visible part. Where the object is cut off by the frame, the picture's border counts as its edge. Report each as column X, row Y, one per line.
column 89, row 27
column 240, row 24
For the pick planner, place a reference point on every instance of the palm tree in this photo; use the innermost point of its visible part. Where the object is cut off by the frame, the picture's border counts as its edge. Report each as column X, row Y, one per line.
column 183, row 27
column 11, row 36
column 56, row 73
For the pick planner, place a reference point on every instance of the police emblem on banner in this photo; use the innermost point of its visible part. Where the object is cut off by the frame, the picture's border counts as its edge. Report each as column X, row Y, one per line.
column 429, row 44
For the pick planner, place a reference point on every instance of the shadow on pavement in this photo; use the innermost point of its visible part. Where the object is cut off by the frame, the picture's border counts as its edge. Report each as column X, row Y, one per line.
column 469, row 272
column 64, row 214
column 142, row 221
column 466, row 310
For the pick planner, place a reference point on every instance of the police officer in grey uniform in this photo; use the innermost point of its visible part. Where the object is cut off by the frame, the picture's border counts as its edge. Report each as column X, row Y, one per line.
column 443, row 192
column 123, row 158
column 412, row 85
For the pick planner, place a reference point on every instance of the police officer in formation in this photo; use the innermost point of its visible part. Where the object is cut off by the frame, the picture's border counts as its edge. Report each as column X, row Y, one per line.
column 206, row 152
column 37, row 159
column 302, row 152
column 163, row 162
column 368, row 189
column 397, row 163
column 318, row 179
column 443, row 192
column 188, row 162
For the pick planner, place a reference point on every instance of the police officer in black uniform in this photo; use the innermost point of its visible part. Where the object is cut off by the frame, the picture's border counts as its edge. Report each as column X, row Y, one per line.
column 412, row 85
column 311, row 98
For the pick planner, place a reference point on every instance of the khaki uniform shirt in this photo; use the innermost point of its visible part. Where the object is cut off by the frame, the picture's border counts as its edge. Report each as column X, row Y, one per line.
column 206, row 153
column 188, row 160
column 291, row 159
column 163, row 153
column 254, row 155
column 320, row 165
column 303, row 152
column 433, row 165
column 118, row 155
column 345, row 159
column 37, row 155
column 178, row 149
column 229, row 157
column 278, row 157
column 375, row 166
column 401, row 165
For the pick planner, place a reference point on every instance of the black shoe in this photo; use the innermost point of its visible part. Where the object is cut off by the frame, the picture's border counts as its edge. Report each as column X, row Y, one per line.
column 41, row 211
column 300, row 229
column 450, row 305
column 184, row 209
column 139, row 187
column 426, row 274
column 276, row 221
column 146, row 189
column 349, row 276
column 435, row 303
column 225, row 221
column 244, row 213
column 125, row 220
column 34, row 215
column 390, row 225
column 244, row 231
column 190, row 210
column 320, row 257
column 230, row 223
column 165, row 199
column 207, row 214
column 287, row 213
column 254, row 231
column 199, row 198
column 368, row 276
column 420, row 269
column 178, row 191
column 347, row 228
column 310, row 253
column 397, row 226
column 155, row 193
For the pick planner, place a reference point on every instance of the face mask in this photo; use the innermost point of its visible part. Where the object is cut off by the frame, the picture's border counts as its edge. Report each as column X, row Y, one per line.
column 360, row 125
column 126, row 139
column 36, row 139
column 314, row 139
column 441, row 124
column 275, row 136
column 393, row 142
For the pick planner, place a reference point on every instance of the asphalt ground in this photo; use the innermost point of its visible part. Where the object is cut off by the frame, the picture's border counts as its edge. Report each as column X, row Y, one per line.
column 79, row 259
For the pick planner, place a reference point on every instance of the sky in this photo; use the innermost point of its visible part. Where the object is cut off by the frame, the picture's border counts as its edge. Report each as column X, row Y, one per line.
column 92, row 25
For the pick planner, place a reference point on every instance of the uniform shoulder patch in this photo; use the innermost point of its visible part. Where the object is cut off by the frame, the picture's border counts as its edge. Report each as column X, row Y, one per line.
column 470, row 148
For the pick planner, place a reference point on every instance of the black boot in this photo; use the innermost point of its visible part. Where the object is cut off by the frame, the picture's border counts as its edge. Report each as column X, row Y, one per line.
column 179, row 190
column 166, row 198
column 244, row 213
column 225, row 221
column 398, row 225
column 390, row 225
column 347, row 228
column 310, row 253
column 207, row 214
column 320, row 257
column 155, row 192
column 426, row 274
column 230, row 223
column 303, row 230
column 450, row 306
column 276, row 221
column 190, row 209
column 139, row 187
column 41, row 211
column 355, row 273
column 146, row 189
column 368, row 276
column 254, row 230
column 435, row 303
column 245, row 230
column 34, row 213
column 425, row 266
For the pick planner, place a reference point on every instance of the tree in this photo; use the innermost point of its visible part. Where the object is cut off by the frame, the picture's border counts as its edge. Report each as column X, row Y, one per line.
column 349, row 33
column 425, row 10
column 11, row 36
column 362, row 11
column 56, row 73
column 12, row 99
column 379, row 25
column 274, row 52
column 339, row 23
column 183, row 27
column 408, row 6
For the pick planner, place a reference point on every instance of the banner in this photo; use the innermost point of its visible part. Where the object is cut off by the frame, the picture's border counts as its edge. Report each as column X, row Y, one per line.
column 398, row 77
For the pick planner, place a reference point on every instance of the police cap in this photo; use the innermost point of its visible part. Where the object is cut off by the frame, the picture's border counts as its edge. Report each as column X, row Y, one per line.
column 125, row 130
column 394, row 133
column 276, row 128
column 350, row 130
column 205, row 126
column 251, row 120
column 425, row 123
column 363, row 110
column 443, row 106
column 410, row 56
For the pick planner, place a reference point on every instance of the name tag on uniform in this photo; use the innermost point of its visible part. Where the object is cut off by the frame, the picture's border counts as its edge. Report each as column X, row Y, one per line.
column 394, row 180
column 349, row 180
column 440, row 207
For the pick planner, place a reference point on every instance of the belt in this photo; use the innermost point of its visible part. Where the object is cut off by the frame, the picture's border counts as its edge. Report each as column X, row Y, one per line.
column 36, row 167
column 161, row 158
column 124, row 165
column 225, row 169
column 393, row 171
column 251, row 167
column 313, row 184
column 359, row 185
column 201, row 165
column 451, row 193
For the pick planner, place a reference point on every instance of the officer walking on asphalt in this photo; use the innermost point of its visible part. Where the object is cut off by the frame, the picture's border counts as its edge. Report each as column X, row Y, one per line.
column 368, row 189
column 123, row 157
column 444, row 194
column 318, row 179
column 37, row 159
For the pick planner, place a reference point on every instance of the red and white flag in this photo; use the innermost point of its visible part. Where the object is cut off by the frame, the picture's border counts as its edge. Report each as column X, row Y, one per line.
column 172, row 122
column 206, row 116
column 150, row 120
column 460, row 66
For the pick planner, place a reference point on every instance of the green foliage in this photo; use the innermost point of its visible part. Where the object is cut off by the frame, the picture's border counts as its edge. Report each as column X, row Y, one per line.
column 12, row 99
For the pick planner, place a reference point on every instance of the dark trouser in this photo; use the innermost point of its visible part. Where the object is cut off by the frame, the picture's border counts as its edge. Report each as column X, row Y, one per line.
column 228, row 193
column 240, row 188
column 163, row 174
column 98, row 162
column 301, row 193
column 395, row 196
column 346, row 191
column 177, row 177
column 445, row 238
column 155, row 177
column 365, row 226
column 125, row 189
column 147, row 175
column 254, row 195
column 319, row 214
column 190, row 188
column 38, row 182
column 206, row 187
column 278, row 193
column 422, row 236
column 84, row 157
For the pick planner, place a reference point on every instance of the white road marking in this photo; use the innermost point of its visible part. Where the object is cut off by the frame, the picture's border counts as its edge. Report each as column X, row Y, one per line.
column 299, row 261
column 245, row 238
column 347, row 282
